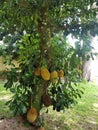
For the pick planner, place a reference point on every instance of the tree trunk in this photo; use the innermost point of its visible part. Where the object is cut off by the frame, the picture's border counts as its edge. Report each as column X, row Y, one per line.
column 87, row 70
column 44, row 33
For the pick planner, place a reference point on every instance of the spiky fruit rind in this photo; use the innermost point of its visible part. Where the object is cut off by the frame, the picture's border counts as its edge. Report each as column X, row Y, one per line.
column 45, row 74
column 60, row 73
column 54, row 76
column 47, row 101
column 42, row 128
column 32, row 115
column 37, row 71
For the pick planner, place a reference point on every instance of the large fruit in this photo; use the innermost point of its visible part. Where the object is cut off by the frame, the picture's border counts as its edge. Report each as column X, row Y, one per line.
column 45, row 74
column 37, row 72
column 60, row 73
column 47, row 101
column 54, row 76
column 32, row 115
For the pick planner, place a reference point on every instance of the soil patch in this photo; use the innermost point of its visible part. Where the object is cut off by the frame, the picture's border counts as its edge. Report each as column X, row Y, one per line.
column 14, row 124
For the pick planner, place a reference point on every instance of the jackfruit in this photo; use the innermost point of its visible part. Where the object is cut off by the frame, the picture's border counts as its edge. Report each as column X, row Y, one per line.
column 45, row 74
column 42, row 128
column 47, row 101
column 32, row 115
column 60, row 73
column 54, row 76
column 37, row 71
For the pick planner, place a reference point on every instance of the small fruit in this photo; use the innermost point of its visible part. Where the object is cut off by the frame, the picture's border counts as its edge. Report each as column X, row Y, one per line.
column 32, row 115
column 41, row 128
column 47, row 101
column 54, row 76
column 45, row 74
column 37, row 71
column 60, row 73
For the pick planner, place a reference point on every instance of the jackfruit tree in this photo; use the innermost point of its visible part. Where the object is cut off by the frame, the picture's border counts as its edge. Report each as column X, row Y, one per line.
column 34, row 33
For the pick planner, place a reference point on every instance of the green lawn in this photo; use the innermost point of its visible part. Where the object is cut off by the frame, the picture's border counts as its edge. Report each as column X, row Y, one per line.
column 83, row 116
column 4, row 96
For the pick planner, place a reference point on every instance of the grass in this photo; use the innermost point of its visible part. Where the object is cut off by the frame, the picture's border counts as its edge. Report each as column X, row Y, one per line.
column 83, row 116
column 4, row 96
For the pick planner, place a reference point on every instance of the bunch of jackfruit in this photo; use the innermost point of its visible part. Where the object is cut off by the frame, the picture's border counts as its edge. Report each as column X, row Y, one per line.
column 46, row 75
column 43, row 72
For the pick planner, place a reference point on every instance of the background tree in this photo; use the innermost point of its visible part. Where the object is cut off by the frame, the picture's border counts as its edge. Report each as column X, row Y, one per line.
column 34, row 32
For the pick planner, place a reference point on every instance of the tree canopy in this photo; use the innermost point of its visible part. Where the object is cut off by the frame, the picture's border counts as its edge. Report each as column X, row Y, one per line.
column 24, row 16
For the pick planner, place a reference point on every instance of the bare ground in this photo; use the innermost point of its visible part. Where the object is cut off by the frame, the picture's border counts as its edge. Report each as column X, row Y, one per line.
column 14, row 124
column 17, row 123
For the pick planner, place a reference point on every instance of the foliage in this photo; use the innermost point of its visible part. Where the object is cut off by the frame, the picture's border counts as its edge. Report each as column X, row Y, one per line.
column 81, row 116
column 69, row 16
column 34, row 32
column 63, row 93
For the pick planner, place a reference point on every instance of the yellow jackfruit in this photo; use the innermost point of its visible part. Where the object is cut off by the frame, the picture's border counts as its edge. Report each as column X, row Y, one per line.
column 37, row 71
column 32, row 115
column 54, row 76
column 60, row 73
column 45, row 74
